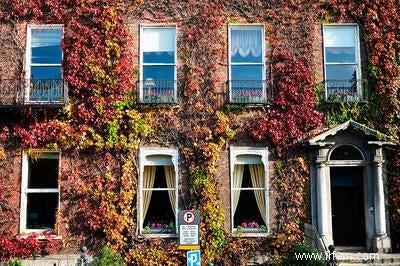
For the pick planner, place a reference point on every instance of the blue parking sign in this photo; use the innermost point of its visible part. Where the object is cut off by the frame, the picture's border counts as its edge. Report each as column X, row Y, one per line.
column 193, row 258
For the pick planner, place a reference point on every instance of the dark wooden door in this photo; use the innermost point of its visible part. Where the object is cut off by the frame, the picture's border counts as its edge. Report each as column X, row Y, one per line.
column 347, row 201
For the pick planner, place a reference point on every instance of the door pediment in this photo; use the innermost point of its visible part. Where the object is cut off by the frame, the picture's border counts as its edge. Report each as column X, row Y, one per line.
column 349, row 132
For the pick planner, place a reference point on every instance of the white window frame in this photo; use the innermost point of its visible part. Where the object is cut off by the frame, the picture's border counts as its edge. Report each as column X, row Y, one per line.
column 250, row 151
column 142, row 64
column 28, row 55
column 357, row 63
column 173, row 154
column 230, row 63
column 25, row 190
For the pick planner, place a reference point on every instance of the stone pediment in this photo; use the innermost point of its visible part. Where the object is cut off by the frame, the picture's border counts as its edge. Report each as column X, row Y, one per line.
column 351, row 128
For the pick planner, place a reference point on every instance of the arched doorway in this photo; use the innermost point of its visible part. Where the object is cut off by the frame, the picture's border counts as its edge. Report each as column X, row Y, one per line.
column 347, row 172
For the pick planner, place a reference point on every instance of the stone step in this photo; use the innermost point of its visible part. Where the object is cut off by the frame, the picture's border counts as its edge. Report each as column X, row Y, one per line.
column 55, row 260
column 348, row 259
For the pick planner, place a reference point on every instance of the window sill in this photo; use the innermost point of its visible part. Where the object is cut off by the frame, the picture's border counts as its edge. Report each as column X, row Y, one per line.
column 157, row 235
column 40, row 234
column 250, row 232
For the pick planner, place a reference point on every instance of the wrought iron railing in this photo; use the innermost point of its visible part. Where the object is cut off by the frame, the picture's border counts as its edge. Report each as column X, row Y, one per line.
column 345, row 90
column 31, row 92
column 249, row 91
column 157, row 91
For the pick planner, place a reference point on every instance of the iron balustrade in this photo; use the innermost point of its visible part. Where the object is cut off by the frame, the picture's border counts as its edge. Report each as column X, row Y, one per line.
column 354, row 90
column 249, row 91
column 158, row 91
column 33, row 92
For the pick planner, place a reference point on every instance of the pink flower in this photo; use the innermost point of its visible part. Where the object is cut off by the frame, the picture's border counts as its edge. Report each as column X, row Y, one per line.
column 243, row 224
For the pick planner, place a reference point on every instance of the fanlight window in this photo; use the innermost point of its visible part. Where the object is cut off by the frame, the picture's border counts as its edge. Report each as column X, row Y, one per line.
column 346, row 152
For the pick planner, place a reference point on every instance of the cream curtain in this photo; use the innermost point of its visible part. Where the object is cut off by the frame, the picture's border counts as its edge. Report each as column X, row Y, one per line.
column 170, row 177
column 236, row 185
column 149, row 174
column 258, row 181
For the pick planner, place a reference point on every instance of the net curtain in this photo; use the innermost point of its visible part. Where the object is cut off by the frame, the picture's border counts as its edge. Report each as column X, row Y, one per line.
column 246, row 42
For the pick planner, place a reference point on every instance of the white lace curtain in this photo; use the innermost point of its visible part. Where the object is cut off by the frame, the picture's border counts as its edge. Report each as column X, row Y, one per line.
column 245, row 42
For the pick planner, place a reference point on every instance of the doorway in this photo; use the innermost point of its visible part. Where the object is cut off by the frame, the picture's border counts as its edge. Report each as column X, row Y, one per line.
column 347, row 202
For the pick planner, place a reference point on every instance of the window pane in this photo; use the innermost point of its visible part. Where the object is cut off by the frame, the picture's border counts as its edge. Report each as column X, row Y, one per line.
column 160, row 181
column 45, row 45
column 41, row 210
column 341, row 72
column 158, row 39
column 246, row 45
column 246, row 73
column 159, row 57
column 45, row 72
column 247, row 210
column 158, row 72
column 43, row 173
column 340, row 54
column 160, row 210
column 346, row 152
column 340, row 36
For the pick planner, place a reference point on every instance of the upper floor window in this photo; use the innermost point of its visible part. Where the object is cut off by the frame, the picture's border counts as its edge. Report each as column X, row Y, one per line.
column 246, row 64
column 342, row 63
column 249, row 190
column 158, row 191
column 39, row 191
column 158, row 64
column 44, row 57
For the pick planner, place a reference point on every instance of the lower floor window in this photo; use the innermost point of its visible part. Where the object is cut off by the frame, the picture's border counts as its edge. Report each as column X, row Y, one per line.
column 249, row 191
column 40, row 192
column 159, row 199
column 249, row 206
column 41, row 210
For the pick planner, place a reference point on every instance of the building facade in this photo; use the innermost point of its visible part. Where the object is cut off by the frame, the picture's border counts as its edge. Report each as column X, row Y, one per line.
column 115, row 116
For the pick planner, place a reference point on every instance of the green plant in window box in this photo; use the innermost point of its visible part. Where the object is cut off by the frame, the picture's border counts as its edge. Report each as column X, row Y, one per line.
column 146, row 230
column 239, row 230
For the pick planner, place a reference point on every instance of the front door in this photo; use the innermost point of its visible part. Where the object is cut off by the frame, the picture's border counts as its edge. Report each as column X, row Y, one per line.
column 347, row 201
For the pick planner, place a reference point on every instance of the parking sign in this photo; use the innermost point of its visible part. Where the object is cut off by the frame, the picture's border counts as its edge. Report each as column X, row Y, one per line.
column 188, row 228
column 193, row 258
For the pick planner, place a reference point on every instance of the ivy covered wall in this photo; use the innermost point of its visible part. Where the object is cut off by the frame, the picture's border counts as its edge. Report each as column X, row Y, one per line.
column 102, row 127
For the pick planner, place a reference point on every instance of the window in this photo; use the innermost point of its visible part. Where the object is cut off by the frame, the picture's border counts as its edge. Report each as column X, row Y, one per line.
column 346, row 152
column 342, row 63
column 44, row 56
column 158, row 64
column 246, row 64
column 40, row 191
column 159, row 191
column 249, row 190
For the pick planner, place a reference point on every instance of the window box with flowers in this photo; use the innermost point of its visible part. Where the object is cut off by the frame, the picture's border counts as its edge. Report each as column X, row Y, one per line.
column 247, row 97
column 344, row 97
column 250, row 227
column 159, row 228
column 154, row 97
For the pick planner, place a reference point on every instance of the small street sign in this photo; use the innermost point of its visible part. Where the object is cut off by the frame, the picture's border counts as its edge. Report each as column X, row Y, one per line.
column 189, row 229
column 193, row 258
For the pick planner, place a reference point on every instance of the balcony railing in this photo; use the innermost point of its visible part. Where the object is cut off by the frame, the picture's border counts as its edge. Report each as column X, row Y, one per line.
column 33, row 92
column 249, row 91
column 345, row 90
column 158, row 91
